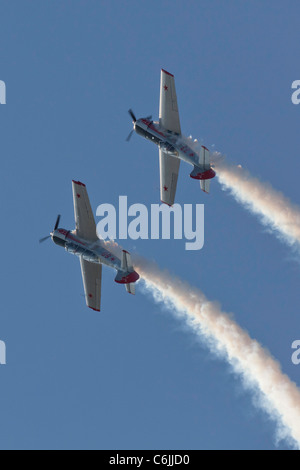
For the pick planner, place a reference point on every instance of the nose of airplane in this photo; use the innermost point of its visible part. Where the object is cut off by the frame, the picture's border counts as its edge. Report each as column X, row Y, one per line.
column 58, row 238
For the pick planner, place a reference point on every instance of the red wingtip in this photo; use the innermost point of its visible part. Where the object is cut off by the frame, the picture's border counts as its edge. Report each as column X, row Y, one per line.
column 168, row 73
column 79, row 183
column 169, row 205
column 95, row 309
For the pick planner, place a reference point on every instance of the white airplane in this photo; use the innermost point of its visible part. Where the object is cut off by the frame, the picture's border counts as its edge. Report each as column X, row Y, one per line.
column 84, row 243
column 173, row 146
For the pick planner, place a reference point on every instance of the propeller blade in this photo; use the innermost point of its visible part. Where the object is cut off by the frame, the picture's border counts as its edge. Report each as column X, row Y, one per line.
column 129, row 137
column 132, row 115
column 42, row 240
column 57, row 223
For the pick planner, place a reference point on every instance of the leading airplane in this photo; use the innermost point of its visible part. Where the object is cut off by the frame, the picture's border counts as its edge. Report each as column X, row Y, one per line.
column 173, row 146
column 92, row 252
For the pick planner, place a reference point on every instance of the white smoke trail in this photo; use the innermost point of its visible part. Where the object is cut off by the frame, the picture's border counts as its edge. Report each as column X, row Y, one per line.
column 278, row 395
column 275, row 211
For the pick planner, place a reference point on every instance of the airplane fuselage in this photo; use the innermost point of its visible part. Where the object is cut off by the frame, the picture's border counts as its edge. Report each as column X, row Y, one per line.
column 171, row 143
column 94, row 252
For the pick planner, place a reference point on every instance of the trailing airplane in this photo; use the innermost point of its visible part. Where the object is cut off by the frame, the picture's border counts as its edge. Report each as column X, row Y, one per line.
column 173, row 146
column 92, row 252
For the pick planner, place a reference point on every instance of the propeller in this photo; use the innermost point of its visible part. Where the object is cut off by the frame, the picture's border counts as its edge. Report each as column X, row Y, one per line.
column 57, row 222
column 129, row 136
column 42, row 240
column 133, row 117
column 131, row 113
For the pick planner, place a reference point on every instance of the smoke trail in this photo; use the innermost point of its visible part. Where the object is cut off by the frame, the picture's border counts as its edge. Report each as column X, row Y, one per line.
column 275, row 210
column 278, row 396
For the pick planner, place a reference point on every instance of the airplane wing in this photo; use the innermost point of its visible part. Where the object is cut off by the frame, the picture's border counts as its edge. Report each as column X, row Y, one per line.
column 92, row 276
column 168, row 108
column 84, row 218
column 169, row 170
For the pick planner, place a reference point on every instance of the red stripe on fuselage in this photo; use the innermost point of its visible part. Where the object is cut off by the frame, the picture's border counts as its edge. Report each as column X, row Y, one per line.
column 75, row 239
column 152, row 127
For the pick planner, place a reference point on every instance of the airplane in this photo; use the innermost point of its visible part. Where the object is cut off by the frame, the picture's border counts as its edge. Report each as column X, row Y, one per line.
column 92, row 252
column 173, row 146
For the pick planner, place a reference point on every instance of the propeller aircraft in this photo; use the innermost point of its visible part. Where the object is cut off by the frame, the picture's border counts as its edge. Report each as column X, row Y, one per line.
column 92, row 252
column 173, row 146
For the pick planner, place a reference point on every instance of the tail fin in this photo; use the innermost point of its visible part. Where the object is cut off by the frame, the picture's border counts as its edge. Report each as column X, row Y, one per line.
column 203, row 171
column 127, row 275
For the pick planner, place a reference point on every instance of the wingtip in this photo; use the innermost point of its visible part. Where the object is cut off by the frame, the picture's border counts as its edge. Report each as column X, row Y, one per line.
column 166, row 203
column 95, row 309
column 168, row 73
column 79, row 183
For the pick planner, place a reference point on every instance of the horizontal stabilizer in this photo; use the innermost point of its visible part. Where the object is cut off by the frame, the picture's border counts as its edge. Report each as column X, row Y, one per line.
column 205, row 185
column 204, row 158
column 130, row 288
column 126, row 261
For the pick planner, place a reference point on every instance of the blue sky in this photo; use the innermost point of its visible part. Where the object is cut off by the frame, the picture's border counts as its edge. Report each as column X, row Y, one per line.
column 134, row 377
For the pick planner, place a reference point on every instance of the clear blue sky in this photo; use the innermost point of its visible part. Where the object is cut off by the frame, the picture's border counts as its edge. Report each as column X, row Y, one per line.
column 133, row 377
